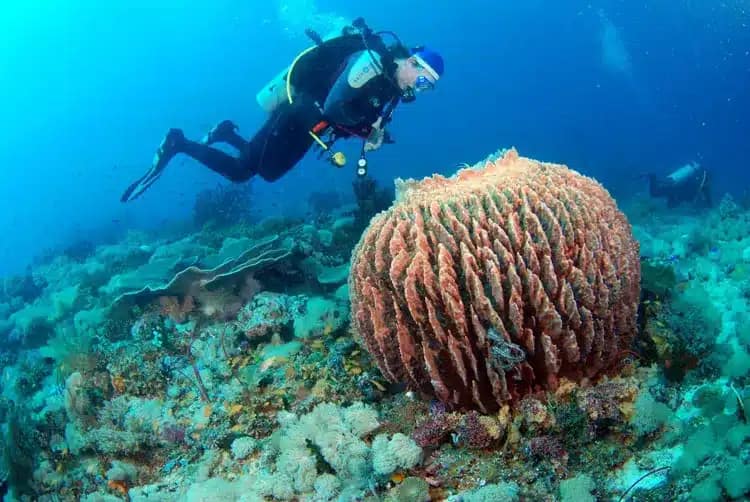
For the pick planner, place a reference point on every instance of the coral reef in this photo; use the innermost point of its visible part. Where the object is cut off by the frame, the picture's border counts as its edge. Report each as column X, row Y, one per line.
column 224, row 365
column 497, row 282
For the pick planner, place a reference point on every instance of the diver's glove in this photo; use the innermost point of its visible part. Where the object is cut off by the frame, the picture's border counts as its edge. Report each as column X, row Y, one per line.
column 376, row 137
column 375, row 140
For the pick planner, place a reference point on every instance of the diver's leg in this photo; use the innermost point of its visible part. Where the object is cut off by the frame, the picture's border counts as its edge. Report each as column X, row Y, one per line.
column 234, row 169
column 275, row 149
column 225, row 132
column 283, row 141
column 271, row 152
column 282, row 153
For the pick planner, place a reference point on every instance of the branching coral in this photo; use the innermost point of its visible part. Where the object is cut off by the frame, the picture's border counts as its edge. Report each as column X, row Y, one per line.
column 498, row 281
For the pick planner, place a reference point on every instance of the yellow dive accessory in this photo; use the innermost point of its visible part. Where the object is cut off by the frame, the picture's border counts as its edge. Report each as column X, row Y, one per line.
column 338, row 159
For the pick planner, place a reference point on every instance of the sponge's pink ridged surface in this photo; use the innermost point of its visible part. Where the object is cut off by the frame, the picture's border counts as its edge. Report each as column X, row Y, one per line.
column 515, row 257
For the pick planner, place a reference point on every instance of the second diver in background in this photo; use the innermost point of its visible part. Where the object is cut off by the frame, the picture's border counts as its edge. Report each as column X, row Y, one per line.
column 690, row 184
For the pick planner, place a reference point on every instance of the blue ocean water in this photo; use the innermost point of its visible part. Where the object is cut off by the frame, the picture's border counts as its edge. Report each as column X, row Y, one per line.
column 611, row 88
column 276, row 343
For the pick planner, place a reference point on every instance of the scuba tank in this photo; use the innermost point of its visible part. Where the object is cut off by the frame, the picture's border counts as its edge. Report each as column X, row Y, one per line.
column 684, row 173
column 271, row 95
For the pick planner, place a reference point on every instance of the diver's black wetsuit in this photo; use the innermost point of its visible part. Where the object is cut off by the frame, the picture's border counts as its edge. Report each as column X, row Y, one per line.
column 693, row 187
column 284, row 138
column 322, row 92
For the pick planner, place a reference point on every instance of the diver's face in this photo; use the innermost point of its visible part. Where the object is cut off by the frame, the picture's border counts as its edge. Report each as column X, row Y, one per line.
column 412, row 75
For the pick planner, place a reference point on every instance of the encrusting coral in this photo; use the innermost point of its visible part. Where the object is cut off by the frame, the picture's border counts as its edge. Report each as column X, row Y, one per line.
column 496, row 282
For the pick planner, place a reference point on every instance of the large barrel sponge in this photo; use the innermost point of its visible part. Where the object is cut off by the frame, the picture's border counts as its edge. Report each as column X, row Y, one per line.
column 497, row 282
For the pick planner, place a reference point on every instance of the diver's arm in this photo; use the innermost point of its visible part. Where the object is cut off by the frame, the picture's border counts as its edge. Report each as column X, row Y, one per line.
column 376, row 137
column 379, row 134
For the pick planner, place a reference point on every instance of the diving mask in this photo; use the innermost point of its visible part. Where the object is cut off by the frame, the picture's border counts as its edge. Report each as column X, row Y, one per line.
column 420, row 85
column 423, row 84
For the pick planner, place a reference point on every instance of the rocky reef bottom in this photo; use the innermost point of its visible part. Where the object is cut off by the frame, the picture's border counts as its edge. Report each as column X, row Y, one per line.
column 220, row 366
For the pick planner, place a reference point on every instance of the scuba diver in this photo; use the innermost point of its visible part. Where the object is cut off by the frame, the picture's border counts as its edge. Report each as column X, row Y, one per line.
column 690, row 183
column 346, row 85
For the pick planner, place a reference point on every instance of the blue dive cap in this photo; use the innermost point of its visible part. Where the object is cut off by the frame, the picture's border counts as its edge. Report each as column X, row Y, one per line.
column 431, row 60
